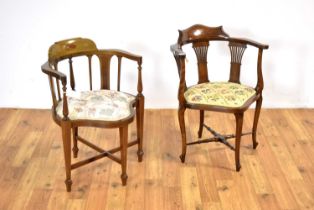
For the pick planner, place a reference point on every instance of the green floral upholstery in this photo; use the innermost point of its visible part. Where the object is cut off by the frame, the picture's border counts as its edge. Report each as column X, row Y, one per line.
column 106, row 105
column 225, row 94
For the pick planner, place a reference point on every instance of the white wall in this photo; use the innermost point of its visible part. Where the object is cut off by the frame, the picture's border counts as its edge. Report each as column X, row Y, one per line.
column 28, row 28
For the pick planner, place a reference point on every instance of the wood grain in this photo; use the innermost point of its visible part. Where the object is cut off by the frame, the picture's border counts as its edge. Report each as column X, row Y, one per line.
column 278, row 175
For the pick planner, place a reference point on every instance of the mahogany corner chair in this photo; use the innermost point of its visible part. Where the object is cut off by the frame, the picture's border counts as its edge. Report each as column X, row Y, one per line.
column 103, row 108
column 228, row 97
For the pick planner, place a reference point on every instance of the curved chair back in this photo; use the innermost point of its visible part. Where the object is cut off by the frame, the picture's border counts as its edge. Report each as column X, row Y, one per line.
column 200, row 37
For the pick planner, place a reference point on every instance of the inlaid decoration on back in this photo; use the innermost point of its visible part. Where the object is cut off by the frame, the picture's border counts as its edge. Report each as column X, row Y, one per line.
column 62, row 49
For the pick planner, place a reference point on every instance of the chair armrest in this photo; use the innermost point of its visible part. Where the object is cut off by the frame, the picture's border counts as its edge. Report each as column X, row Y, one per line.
column 45, row 68
column 59, row 76
column 176, row 50
column 250, row 42
column 122, row 53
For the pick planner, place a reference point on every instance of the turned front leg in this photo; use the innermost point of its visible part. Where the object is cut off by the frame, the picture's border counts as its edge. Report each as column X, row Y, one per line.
column 124, row 145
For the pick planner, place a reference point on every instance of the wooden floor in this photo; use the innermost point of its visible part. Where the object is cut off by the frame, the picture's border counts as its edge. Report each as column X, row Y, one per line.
column 278, row 175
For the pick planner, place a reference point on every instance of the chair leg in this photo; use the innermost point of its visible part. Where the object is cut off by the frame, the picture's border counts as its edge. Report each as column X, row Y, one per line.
column 183, row 133
column 256, row 117
column 239, row 123
column 140, row 127
column 75, row 148
column 200, row 129
column 124, row 145
column 66, row 138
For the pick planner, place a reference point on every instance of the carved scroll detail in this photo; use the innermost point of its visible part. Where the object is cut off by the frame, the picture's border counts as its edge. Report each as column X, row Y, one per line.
column 236, row 50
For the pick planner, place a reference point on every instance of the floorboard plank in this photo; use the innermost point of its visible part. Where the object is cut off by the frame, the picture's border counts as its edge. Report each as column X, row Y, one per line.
column 279, row 174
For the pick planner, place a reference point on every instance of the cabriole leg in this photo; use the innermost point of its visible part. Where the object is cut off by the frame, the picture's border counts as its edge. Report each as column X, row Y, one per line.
column 256, row 117
column 183, row 133
column 239, row 123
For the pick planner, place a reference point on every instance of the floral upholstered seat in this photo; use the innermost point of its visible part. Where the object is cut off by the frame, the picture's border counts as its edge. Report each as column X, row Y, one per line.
column 225, row 94
column 105, row 105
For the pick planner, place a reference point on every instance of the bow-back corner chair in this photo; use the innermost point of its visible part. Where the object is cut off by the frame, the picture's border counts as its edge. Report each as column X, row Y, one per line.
column 103, row 108
column 228, row 97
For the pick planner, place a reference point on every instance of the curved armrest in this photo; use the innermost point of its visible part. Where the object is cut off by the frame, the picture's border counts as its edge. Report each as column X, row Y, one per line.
column 60, row 76
column 122, row 53
column 250, row 42
column 176, row 50
column 51, row 72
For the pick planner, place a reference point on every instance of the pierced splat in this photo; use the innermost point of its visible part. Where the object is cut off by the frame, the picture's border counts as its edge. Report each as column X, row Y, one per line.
column 236, row 51
column 201, row 49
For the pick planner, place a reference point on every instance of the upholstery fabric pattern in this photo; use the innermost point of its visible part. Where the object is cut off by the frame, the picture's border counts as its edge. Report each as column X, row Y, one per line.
column 105, row 105
column 226, row 94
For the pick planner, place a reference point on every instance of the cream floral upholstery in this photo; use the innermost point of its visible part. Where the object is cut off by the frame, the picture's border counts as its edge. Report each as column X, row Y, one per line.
column 226, row 94
column 106, row 105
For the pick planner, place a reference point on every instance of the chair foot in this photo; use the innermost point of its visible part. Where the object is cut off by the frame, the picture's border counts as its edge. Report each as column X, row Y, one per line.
column 238, row 167
column 140, row 154
column 75, row 151
column 124, row 178
column 182, row 157
column 68, row 183
column 255, row 144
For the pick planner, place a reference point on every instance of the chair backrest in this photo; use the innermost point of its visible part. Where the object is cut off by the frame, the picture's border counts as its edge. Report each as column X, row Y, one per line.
column 70, row 48
column 67, row 49
column 75, row 47
column 200, row 37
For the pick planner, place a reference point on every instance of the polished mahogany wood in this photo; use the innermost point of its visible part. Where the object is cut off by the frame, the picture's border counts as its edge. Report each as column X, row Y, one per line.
column 78, row 47
column 200, row 37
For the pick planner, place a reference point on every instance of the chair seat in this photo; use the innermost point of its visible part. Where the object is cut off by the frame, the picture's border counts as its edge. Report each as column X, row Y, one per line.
column 104, row 105
column 224, row 94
